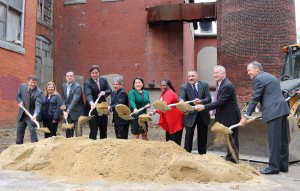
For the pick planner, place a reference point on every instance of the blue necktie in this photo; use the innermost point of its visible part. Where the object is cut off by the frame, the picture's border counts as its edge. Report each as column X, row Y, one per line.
column 195, row 91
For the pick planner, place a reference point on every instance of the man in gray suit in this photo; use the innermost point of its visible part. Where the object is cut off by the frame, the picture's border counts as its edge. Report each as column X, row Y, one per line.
column 267, row 91
column 72, row 103
column 30, row 97
column 199, row 91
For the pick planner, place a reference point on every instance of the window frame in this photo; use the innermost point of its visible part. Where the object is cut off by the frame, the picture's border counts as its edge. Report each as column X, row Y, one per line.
column 15, row 45
column 41, row 18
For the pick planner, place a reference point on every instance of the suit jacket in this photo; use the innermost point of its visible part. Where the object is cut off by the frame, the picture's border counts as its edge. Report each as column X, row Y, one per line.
column 74, row 102
column 92, row 91
column 267, row 91
column 227, row 108
column 187, row 94
column 119, row 97
column 53, row 110
column 35, row 100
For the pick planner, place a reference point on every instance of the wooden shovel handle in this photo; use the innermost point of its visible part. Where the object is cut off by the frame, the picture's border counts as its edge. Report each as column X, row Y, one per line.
column 27, row 112
column 97, row 100
column 248, row 121
column 135, row 112
column 174, row 104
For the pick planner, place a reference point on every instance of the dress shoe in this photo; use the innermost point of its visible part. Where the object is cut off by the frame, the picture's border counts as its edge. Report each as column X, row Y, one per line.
column 269, row 171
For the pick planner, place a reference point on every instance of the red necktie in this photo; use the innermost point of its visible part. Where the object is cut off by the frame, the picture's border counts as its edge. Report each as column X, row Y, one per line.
column 28, row 99
column 98, row 84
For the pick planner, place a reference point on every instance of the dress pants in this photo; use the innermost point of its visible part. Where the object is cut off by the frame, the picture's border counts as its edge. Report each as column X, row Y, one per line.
column 278, row 144
column 51, row 126
column 201, row 136
column 176, row 137
column 121, row 131
column 98, row 122
column 22, row 124
column 70, row 132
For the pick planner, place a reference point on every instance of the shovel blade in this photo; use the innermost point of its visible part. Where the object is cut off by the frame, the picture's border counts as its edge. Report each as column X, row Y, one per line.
column 161, row 105
column 44, row 130
column 220, row 128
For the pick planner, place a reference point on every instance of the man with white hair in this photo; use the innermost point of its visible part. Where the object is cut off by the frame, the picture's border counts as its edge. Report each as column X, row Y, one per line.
column 225, row 108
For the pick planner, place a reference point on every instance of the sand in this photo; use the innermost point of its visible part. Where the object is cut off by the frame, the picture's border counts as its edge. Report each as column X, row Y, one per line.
column 81, row 160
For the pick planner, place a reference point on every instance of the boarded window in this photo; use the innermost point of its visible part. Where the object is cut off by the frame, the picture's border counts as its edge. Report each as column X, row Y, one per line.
column 45, row 8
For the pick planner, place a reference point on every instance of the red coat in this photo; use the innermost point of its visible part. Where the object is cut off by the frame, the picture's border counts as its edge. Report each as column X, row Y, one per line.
column 172, row 120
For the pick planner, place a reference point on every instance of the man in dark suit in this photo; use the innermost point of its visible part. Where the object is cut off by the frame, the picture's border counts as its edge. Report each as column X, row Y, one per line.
column 225, row 106
column 94, row 87
column 119, row 96
column 72, row 103
column 30, row 97
column 199, row 91
column 267, row 91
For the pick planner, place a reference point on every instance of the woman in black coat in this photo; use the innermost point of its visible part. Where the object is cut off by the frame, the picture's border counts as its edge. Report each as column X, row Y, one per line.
column 119, row 96
column 51, row 109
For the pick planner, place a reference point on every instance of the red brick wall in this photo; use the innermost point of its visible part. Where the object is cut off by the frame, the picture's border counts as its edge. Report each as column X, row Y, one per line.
column 202, row 42
column 15, row 68
column 116, row 36
column 44, row 31
column 255, row 30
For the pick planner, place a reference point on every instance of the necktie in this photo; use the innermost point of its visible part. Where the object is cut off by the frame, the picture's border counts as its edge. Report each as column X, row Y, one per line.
column 98, row 84
column 195, row 91
column 28, row 96
column 216, row 97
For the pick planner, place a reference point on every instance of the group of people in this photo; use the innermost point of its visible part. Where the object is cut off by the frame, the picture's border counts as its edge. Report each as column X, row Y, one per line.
column 224, row 105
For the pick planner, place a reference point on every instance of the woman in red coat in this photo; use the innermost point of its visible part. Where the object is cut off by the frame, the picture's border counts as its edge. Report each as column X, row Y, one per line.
column 171, row 121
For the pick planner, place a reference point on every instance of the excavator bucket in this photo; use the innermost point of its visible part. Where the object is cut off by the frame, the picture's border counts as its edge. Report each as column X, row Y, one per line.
column 253, row 138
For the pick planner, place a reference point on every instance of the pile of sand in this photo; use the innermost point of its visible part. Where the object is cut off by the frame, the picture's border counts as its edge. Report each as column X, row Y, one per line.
column 81, row 160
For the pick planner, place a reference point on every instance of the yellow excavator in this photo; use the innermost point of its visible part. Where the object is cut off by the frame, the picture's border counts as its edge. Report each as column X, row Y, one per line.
column 253, row 140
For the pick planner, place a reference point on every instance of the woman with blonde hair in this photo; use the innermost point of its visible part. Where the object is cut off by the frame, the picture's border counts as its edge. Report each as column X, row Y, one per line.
column 51, row 109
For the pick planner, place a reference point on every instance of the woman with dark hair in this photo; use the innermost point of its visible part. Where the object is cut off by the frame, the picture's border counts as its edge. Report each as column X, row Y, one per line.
column 138, row 98
column 172, row 120
column 51, row 109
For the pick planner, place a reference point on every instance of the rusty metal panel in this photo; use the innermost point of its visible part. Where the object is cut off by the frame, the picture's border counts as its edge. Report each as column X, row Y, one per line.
column 183, row 12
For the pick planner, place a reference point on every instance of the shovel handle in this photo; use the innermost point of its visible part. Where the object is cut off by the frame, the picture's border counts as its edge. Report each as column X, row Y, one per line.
column 174, row 104
column 27, row 112
column 135, row 112
column 97, row 100
column 248, row 121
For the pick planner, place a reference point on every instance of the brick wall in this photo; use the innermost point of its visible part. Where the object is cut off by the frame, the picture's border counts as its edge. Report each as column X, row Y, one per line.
column 15, row 68
column 116, row 36
column 253, row 30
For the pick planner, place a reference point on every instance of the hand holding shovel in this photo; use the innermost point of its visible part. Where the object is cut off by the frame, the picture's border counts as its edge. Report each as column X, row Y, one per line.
column 122, row 110
column 42, row 129
column 162, row 105
column 67, row 125
column 220, row 128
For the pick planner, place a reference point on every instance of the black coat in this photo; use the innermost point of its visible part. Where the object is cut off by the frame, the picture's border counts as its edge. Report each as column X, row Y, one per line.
column 119, row 97
column 92, row 91
column 226, row 105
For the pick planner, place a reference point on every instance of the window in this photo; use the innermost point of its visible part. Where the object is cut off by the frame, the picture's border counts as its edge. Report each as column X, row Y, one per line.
column 11, row 20
column 43, row 47
column 45, row 11
column 74, row 2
